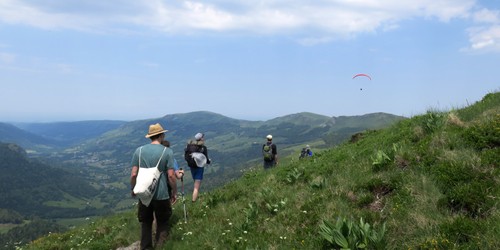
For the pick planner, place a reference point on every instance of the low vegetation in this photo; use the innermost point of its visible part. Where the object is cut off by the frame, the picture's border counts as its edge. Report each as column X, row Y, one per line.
column 429, row 182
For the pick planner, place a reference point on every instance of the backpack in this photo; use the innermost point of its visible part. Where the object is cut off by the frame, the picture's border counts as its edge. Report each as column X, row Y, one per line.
column 303, row 153
column 267, row 152
column 192, row 148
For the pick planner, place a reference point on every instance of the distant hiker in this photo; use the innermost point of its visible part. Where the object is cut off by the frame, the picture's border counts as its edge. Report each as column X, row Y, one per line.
column 270, row 153
column 196, row 146
column 306, row 152
column 178, row 173
column 148, row 156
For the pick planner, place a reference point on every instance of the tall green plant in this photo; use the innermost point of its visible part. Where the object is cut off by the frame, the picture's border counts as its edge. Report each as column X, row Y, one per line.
column 346, row 234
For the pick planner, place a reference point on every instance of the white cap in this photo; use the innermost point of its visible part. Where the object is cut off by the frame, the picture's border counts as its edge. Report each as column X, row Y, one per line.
column 198, row 136
column 269, row 137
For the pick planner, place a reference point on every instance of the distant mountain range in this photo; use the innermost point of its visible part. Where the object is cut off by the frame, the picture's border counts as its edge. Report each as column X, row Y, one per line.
column 100, row 151
column 68, row 133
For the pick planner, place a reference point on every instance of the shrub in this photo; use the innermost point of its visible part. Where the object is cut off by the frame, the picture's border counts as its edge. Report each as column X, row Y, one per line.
column 484, row 135
column 347, row 234
column 466, row 190
column 463, row 230
column 433, row 121
column 381, row 161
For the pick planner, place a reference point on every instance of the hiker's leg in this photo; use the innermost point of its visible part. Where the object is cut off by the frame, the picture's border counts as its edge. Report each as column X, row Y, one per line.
column 197, row 184
column 145, row 216
column 197, row 177
column 163, row 212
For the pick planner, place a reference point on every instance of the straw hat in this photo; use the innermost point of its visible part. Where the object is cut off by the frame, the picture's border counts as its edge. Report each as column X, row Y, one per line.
column 155, row 129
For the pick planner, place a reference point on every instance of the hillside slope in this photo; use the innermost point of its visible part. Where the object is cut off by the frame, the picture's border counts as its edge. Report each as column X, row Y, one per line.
column 12, row 134
column 432, row 181
column 28, row 186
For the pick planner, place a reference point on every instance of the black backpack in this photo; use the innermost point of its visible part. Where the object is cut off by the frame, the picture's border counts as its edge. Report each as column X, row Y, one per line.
column 303, row 153
column 192, row 148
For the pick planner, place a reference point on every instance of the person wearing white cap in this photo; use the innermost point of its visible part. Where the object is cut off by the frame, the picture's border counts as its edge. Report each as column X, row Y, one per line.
column 270, row 153
column 306, row 152
column 197, row 168
column 149, row 156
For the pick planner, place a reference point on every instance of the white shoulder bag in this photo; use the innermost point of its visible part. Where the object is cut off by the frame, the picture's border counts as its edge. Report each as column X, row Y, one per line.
column 147, row 181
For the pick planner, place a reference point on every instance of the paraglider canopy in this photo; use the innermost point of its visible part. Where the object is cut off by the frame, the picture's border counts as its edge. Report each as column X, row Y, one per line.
column 365, row 75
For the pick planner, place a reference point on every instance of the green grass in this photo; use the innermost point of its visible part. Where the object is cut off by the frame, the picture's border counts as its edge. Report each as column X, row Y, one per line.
column 432, row 180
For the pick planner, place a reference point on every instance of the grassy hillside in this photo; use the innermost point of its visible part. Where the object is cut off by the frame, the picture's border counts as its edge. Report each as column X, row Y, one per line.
column 430, row 182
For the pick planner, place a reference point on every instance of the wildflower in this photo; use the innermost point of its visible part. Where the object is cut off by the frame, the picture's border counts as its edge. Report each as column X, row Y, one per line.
column 304, row 211
column 245, row 232
column 275, row 210
column 223, row 233
column 230, row 224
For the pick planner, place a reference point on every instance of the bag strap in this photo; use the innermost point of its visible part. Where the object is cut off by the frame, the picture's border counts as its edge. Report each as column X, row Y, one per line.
column 157, row 164
column 140, row 151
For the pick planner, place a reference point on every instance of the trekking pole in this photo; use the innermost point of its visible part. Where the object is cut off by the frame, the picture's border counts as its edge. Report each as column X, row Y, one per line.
column 183, row 200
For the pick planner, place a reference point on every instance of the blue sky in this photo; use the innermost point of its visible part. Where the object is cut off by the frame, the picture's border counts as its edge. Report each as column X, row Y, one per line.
column 256, row 60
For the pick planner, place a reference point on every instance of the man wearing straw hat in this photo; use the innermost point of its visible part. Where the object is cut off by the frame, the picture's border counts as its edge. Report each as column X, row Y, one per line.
column 151, row 155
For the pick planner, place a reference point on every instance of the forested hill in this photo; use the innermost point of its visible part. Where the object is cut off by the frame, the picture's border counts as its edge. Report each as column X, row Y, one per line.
column 29, row 187
column 12, row 134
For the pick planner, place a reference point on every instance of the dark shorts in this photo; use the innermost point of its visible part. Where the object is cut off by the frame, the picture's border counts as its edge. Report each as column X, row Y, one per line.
column 197, row 173
column 269, row 164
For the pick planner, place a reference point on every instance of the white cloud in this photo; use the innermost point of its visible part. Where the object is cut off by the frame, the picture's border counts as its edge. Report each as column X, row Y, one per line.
column 487, row 16
column 338, row 17
column 484, row 39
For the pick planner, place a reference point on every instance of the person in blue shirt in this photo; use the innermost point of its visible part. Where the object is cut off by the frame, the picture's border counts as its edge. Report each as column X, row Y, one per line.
column 179, row 173
column 306, row 152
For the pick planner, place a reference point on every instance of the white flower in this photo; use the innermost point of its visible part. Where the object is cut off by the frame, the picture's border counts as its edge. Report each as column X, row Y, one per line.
column 245, row 232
